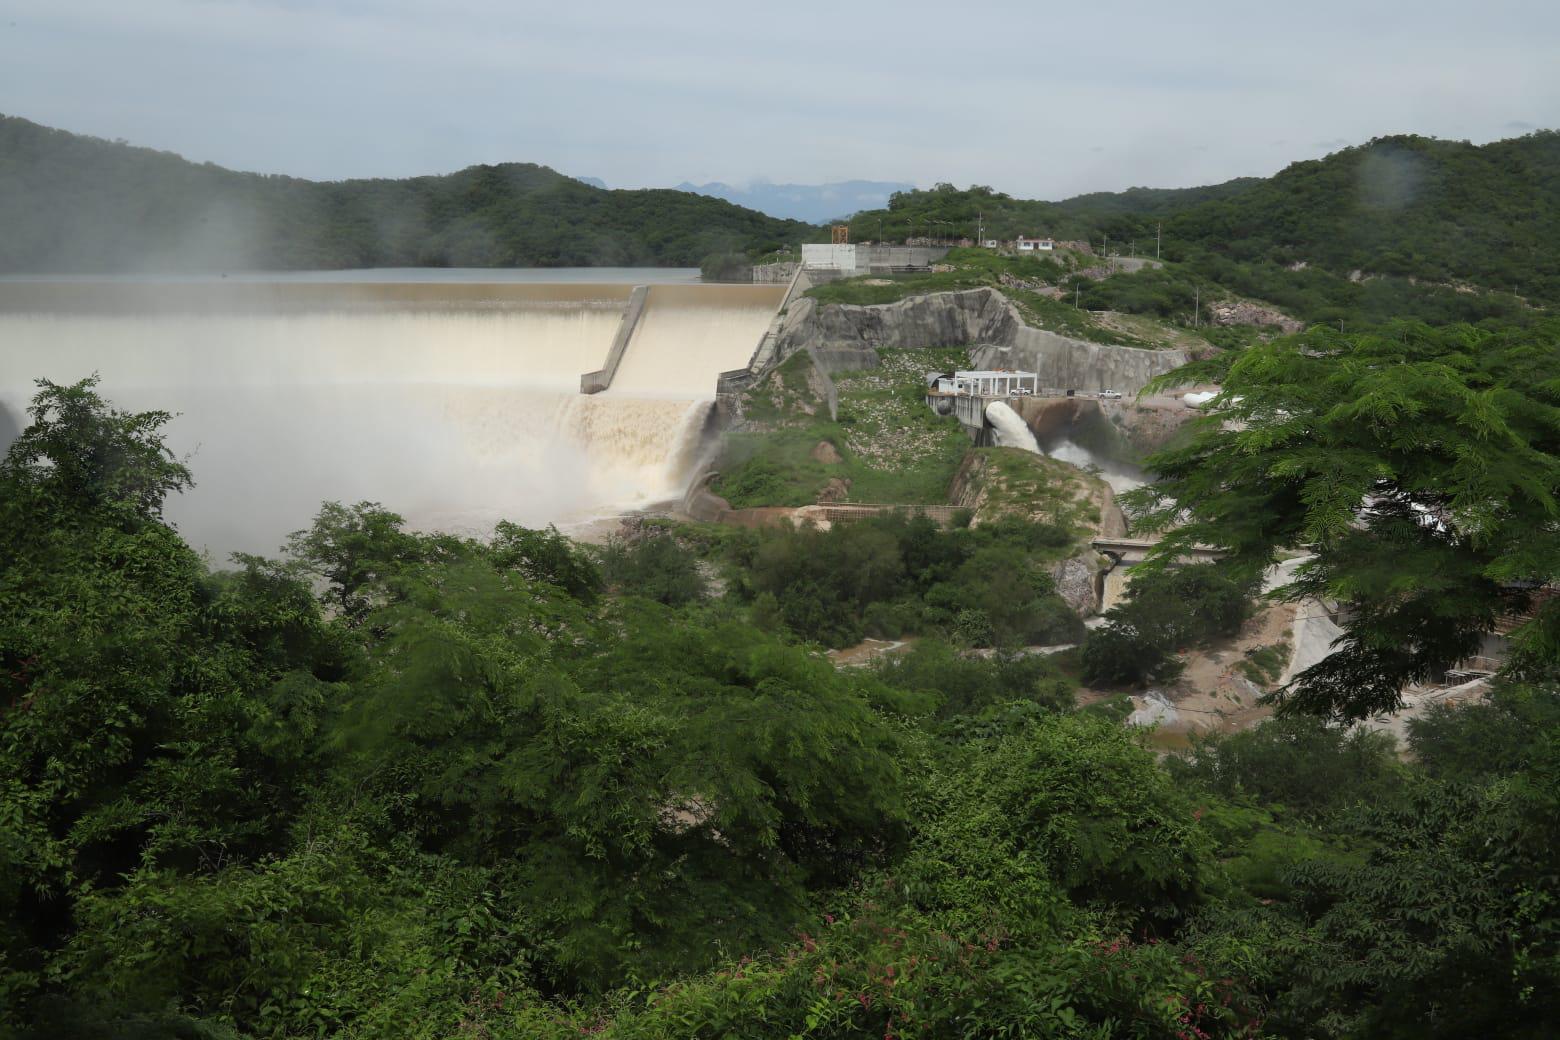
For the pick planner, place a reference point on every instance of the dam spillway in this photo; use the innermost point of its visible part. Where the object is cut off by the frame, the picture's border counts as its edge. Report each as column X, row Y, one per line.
column 456, row 405
column 690, row 334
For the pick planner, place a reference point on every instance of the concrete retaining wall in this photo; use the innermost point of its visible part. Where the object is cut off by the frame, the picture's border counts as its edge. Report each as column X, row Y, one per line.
column 775, row 274
column 601, row 379
column 1076, row 364
column 861, row 259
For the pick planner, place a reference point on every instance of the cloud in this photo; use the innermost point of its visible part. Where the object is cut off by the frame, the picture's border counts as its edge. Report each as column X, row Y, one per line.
column 1518, row 124
column 642, row 94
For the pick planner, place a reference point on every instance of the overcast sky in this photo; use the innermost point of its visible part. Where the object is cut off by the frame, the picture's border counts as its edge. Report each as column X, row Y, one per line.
column 1036, row 98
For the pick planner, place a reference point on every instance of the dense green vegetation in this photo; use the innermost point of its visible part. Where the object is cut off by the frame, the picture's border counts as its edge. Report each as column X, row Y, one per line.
column 891, row 577
column 1420, row 466
column 1402, row 227
column 1410, row 207
column 1164, row 612
column 945, row 211
column 73, row 203
column 404, row 785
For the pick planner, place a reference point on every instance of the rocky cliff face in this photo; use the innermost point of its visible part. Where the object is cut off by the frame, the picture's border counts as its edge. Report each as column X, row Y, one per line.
column 1244, row 312
column 935, row 320
column 984, row 320
column 1068, row 363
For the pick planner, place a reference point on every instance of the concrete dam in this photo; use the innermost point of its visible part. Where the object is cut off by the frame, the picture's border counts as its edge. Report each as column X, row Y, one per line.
column 454, row 404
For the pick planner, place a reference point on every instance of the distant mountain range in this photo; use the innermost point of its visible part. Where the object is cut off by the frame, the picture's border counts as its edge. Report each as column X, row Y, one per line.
column 70, row 203
column 1401, row 225
column 814, row 203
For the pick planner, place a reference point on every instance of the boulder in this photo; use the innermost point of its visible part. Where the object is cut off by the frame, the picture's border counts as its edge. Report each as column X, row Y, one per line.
column 826, row 453
column 1074, row 579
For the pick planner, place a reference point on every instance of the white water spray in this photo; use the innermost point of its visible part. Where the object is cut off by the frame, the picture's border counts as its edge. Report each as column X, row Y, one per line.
column 456, row 414
column 1012, row 431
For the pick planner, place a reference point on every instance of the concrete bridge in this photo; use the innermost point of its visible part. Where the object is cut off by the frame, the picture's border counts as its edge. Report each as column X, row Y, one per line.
column 1127, row 551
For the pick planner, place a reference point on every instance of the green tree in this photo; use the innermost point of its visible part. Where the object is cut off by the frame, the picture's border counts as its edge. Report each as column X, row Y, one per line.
column 1446, row 929
column 79, row 455
column 547, row 556
column 1165, row 612
column 1419, row 465
column 135, row 707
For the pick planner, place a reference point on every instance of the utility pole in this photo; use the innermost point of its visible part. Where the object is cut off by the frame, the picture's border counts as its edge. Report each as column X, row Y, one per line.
column 1196, row 305
column 1157, row 229
column 1075, row 297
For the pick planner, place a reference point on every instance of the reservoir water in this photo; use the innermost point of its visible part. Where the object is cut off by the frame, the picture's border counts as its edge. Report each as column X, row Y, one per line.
column 437, row 275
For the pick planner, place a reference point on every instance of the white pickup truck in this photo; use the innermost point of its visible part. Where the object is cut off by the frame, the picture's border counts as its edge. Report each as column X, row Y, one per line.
column 1109, row 395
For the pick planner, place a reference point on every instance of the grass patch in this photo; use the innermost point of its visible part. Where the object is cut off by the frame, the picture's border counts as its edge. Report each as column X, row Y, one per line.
column 1021, row 483
column 891, row 447
column 788, row 395
column 1264, row 665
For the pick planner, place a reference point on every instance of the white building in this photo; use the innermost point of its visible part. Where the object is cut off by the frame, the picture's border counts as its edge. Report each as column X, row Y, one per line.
column 870, row 258
column 1035, row 245
column 991, row 383
column 826, row 257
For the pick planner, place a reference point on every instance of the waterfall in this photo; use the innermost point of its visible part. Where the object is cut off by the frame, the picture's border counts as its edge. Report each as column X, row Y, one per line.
column 1012, row 431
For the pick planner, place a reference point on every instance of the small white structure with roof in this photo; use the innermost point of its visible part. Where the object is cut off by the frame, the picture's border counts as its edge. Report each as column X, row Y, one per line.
column 989, row 383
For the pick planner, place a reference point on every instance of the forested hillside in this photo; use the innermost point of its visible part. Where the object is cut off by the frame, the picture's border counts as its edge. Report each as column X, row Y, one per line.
column 1403, row 226
column 419, row 786
column 945, row 211
column 70, row 203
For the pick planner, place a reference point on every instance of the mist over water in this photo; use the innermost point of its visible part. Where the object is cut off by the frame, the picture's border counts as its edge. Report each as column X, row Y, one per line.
column 453, row 416
column 1121, row 476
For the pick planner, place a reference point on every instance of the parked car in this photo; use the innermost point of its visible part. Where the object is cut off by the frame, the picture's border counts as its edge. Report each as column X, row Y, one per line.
column 1110, row 395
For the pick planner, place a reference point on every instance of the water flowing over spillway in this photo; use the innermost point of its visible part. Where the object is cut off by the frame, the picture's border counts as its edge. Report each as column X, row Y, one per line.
column 456, row 406
column 690, row 334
